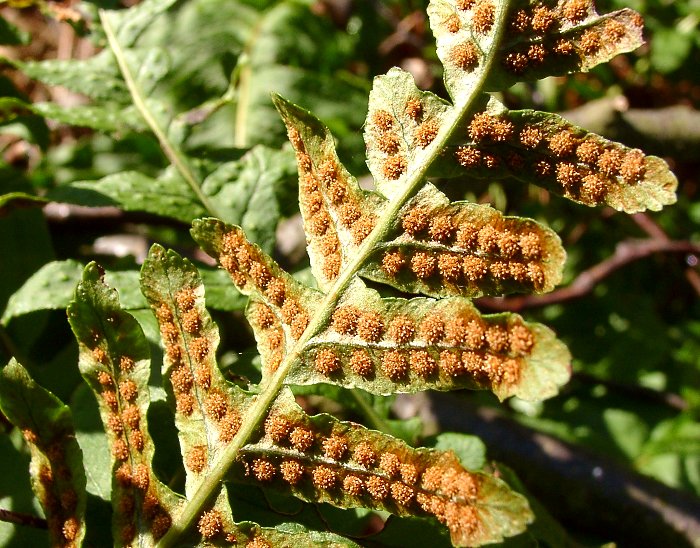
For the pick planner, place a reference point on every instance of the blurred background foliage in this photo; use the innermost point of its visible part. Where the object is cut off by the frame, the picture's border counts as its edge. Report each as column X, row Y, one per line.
column 635, row 336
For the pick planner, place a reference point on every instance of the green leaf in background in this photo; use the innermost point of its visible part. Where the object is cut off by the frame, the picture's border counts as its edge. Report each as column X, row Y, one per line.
column 11, row 35
column 56, row 468
column 96, row 77
column 167, row 195
column 470, row 450
column 49, row 288
column 247, row 192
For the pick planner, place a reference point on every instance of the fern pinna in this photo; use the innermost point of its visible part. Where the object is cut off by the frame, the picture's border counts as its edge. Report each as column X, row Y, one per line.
column 405, row 234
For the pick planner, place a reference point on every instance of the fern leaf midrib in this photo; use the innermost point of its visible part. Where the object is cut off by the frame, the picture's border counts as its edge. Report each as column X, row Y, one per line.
column 174, row 155
column 272, row 387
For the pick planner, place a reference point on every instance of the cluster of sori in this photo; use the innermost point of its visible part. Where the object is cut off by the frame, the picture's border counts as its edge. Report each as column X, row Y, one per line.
column 191, row 367
column 437, row 347
column 541, row 34
column 333, row 207
column 338, row 461
column 468, row 248
column 559, row 34
column 137, row 493
column 55, row 491
column 581, row 166
column 215, row 527
column 393, row 138
column 277, row 308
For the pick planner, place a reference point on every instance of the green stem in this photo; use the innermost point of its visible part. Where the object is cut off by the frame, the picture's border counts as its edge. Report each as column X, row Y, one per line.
column 262, row 402
column 173, row 154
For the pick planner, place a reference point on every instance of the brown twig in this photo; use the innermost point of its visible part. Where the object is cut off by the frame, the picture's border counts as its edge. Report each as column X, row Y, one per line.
column 626, row 252
column 648, row 225
column 23, row 519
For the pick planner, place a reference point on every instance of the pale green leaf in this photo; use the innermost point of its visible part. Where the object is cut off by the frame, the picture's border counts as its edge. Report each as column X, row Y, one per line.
column 167, row 195
column 208, row 410
column 133, row 22
column 337, row 214
column 402, row 123
column 470, row 50
column 220, row 294
column 126, row 282
column 97, row 77
column 93, row 441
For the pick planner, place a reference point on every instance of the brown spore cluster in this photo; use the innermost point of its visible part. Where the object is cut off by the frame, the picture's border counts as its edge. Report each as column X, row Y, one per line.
column 325, row 190
column 584, row 167
column 483, row 16
column 465, row 56
column 376, row 476
column 541, row 26
column 425, row 133
column 210, row 524
column 190, row 363
column 270, row 332
column 460, row 345
column 134, row 481
column 56, row 493
column 384, row 132
column 118, row 393
column 454, row 247
column 272, row 287
column 485, row 127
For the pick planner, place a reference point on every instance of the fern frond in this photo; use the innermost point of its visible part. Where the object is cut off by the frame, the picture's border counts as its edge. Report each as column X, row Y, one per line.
column 405, row 235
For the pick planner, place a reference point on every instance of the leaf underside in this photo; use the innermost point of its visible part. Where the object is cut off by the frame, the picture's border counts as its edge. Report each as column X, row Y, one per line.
column 406, row 236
